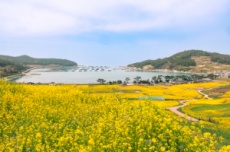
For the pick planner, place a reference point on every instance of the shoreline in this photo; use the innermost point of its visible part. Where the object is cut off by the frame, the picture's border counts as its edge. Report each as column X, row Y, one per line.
column 15, row 77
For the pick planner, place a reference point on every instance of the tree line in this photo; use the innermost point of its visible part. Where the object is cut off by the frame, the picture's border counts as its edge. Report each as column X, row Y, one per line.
column 160, row 79
column 24, row 59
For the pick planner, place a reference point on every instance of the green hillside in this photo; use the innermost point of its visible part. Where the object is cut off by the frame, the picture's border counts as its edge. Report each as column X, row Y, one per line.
column 14, row 65
column 184, row 60
column 24, row 59
column 9, row 68
column 4, row 62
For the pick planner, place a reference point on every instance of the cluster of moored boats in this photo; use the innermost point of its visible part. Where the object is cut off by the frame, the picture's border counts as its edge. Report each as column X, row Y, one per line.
column 91, row 69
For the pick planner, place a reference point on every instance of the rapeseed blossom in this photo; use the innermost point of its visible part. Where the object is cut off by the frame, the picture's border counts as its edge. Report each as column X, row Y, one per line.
column 66, row 118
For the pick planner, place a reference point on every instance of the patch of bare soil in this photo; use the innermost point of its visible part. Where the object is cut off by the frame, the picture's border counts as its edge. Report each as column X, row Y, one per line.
column 219, row 91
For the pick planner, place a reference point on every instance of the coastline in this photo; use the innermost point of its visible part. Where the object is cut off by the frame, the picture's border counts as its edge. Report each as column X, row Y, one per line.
column 79, row 78
column 91, row 77
column 16, row 76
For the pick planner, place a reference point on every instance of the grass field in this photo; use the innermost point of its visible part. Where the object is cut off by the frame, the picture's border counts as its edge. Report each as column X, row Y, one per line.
column 215, row 117
column 215, row 112
column 106, row 118
column 219, row 92
column 220, row 110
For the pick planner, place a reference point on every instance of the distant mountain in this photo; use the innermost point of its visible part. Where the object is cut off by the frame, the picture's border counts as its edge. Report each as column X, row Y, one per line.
column 197, row 60
column 26, row 60
column 13, row 65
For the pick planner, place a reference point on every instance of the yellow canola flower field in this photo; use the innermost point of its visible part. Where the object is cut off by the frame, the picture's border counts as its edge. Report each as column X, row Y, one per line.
column 216, row 109
column 174, row 92
column 64, row 118
column 226, row 95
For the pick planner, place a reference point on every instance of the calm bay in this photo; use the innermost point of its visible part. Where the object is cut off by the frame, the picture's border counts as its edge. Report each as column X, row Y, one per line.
column 86, row 77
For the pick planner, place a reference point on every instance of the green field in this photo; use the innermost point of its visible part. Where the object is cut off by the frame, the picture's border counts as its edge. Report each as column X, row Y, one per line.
column 220, row 110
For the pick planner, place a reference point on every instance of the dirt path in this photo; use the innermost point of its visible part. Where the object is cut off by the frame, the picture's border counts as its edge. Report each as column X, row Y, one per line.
column 205, row 95
column 175, row 110
column 183, row 103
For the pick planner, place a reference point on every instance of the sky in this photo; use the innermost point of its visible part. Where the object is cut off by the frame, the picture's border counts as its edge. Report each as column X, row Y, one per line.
column 112, row 32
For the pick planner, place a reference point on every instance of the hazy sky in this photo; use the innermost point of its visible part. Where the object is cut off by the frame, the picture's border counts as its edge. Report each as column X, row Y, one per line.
column 113, row 32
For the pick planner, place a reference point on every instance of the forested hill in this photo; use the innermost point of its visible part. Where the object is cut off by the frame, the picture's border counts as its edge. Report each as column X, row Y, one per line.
column 184, row 59
column 14, row 65
column 26, row 60
column 9, row 68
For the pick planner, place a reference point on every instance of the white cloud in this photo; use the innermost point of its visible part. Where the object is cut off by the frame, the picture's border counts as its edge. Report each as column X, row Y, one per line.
column 33, row 17
column 25, row 19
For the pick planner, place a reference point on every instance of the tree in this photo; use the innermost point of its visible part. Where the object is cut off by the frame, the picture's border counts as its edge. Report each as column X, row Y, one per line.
column 110, row 82
column 101, row 81
column 167, row 78
column 119, row 82
column 127, row 79
column 154, row 79
column 212, row 76
column 137, row 78
column 160, row 78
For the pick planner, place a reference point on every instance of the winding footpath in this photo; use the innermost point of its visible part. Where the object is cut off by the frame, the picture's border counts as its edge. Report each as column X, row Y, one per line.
column 205, row 95
column 183, row 104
